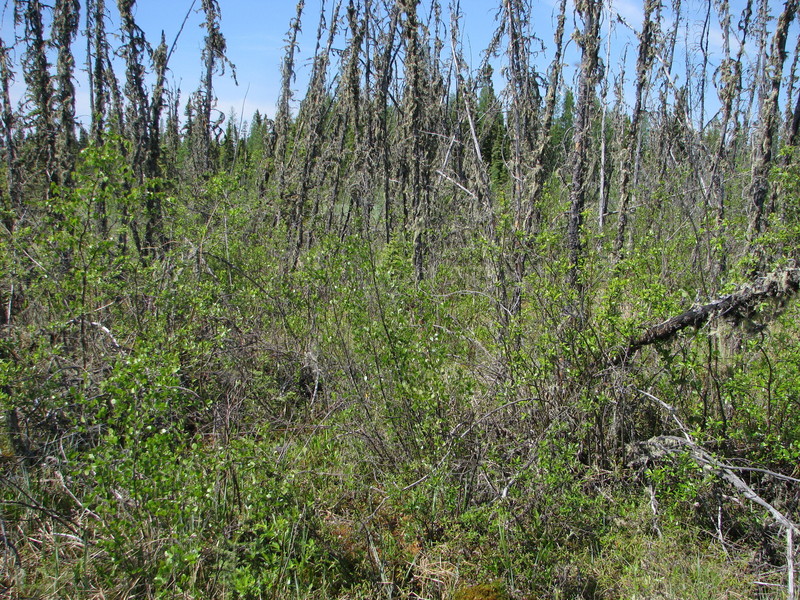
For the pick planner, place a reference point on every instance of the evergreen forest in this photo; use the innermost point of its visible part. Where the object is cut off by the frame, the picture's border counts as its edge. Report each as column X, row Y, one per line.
column 513, row 329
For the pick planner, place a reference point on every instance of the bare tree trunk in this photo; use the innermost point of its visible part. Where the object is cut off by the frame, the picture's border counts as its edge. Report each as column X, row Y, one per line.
column 791, row 129
column 413, row 125
column 13, row 199
column 590, row 12
column 283, row 116
column 643, row 66
column 154, row 231
column 794, row 129
column 758, row 70
column 214, row 61
column 524, row 126
column 134, row 51
column 540, row 174
column 729, row 90
column 768, row 120
column 310, row 127
column 603, row 204
column 703, row 79
column 117, row 112
column 38, row 81
column 383, row 36
column 666, row 137
column 65, row 28
column 790, row 93
column 96, row 58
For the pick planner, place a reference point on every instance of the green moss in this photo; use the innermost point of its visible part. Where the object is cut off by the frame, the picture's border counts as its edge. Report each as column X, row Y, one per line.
column 495, row 590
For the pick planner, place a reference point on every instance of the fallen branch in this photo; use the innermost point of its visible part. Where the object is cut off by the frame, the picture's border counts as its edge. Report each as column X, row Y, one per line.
column 739, row 307
column 663, row 445
column 669, row 444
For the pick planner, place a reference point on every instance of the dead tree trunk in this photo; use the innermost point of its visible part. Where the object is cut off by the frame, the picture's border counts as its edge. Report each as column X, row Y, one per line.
column 768, row 120
column 283, row 116
column 666, row 136
column 540, row 174
column 657, row 448
column 39, row 83
column 590, row 12
column 134, row 50
column 13, row 199
column 415, row 160
column 65, row 28
column 643, row 65
column 214, row 61
column 741, row 307
column 384, row 39
column 96, row 59
column 154, row 233
column 310, row 129
column 96, row 49
column 729, row 89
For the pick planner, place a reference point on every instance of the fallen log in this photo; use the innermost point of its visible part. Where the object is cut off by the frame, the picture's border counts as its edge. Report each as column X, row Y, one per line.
column 740, row 308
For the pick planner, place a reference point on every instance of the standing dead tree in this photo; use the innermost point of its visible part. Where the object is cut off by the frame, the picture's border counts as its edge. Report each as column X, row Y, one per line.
column 384, row 37
column 416, row 158
column 590, row 12
column 525, row 129
column 729, row 90
column 134, row 50
column 477, row 178
column 39, row 84
column 309, row 130
column 283, row 116
column 554, row 80
column 153, row 234
column 347, row 120
column 627, row 185
column 12, row 200
column 666, row 138
column 65, row 28
column 96, row 59
column 768, row 120
column 214, row 61
column 97, row 50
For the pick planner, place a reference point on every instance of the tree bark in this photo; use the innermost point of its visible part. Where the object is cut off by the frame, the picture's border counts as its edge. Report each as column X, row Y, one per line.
column 13, row 200
column 643, row 65
column 65, row 28
column 590, row 12
column 740, row 307
column 763, row 145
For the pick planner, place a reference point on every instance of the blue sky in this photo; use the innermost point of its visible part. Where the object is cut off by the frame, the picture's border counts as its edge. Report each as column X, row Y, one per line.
column 255, row 32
